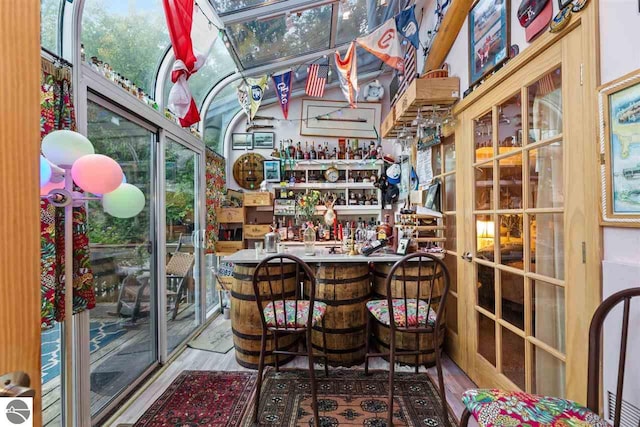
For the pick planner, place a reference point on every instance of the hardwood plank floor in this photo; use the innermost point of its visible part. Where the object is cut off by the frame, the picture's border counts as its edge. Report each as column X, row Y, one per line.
column 456, row 382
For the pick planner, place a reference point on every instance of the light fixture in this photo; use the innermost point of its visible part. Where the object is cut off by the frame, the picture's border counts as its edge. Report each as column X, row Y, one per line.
column 97, row 173
column 45, row 171
column 64, row 147
column 126, row 201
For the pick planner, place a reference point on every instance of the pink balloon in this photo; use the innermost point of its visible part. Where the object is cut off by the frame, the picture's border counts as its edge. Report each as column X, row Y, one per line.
column 97, row 173
column 44, row 190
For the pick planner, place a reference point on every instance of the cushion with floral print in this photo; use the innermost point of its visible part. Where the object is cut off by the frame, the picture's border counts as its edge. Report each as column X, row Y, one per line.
column 380, row 310
column 491, row 407
column 296, row 317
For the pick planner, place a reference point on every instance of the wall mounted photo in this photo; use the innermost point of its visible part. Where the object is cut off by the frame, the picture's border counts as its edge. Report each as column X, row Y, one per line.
column 619, row 105
column 272, row 170
column 335, row 118
column 263, row 140
column 488, row 37
column 242, row 141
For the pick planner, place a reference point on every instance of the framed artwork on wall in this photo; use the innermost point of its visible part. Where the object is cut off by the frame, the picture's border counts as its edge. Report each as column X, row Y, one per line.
column 263, row 140
column 335, row 118
column 242, row 141
column 488, row 37
column 619, row 107
column 272, row 170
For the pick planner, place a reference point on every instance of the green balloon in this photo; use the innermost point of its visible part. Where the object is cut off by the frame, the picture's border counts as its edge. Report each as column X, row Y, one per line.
column 126, row 201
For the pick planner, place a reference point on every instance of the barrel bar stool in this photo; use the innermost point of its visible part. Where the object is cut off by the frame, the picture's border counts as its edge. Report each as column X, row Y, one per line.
column 282, row 316
column 492, row 407
column 412, row 312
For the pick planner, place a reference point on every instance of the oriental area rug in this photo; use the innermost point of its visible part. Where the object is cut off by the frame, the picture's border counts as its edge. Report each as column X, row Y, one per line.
column 347, row 398
column 202, row 398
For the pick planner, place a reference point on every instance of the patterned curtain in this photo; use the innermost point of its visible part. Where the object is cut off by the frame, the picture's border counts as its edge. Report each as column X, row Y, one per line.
column 215, row 175
column 56, row 113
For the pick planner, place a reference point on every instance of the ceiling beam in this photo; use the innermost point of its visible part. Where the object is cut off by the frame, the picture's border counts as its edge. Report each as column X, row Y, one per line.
column 271, row 10
column 447, row 34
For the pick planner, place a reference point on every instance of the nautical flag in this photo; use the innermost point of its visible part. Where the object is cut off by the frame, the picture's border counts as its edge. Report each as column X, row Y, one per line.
column 282, row 83
column 316, row 79
column 243, row 99
column 256, row 91
column 348, row 74
column 385, row 44
column 407, row 25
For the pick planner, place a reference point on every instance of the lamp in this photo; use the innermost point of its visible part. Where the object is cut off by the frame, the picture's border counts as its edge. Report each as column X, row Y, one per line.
column 485, row 230
column 68, row 154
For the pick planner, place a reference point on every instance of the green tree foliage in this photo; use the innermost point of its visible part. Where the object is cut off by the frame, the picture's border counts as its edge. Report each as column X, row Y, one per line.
column 49, row 23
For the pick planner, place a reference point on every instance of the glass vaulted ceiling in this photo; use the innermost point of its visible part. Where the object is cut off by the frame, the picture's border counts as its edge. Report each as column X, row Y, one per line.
column 229, row 6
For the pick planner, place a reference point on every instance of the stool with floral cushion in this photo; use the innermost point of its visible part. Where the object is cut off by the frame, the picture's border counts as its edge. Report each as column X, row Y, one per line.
column 282, row 314
column 492, row 407
column 416, row 289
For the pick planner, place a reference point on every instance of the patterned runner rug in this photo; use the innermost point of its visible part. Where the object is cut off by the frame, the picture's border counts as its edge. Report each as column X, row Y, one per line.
column 347, row 398
column 202, row 398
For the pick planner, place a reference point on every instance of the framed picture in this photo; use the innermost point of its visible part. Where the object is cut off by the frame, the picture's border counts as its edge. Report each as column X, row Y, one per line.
column 272, row 170
column 619, row 105
column 432, row 200
column 335, row 118
column 403, row 244
column 242, row 141
column 488, row 37
column 263, row 140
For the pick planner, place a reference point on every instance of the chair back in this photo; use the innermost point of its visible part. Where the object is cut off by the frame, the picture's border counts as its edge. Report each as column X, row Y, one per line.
column 180, row 264
column 418, row 276
column 280, row 277
column 595, row 348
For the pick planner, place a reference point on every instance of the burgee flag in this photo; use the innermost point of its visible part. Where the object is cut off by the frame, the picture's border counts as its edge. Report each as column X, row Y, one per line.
column 256, row 91
column 407, row 25
column 385, row 44
column 283, row 89
column 348, row 74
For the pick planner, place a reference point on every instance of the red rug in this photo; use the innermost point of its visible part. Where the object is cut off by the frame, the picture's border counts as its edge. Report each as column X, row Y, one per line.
column 202, row 398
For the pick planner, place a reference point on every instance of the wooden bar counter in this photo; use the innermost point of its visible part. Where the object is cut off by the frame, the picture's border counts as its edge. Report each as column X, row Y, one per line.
column 343, row 282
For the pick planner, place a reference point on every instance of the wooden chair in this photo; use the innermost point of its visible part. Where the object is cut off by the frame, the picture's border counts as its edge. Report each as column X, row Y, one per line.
column 281, row 315
column 416, row 303
column 571, row 412
column 179, row 271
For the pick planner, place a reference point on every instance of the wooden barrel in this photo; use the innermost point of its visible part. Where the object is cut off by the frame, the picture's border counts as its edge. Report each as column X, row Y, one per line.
column 404, row 340
column 345, row 288
column 245, row 317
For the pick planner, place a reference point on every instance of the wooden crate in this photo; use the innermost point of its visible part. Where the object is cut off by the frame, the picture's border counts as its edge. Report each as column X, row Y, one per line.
column 229, row 247
column 388, row 123
column 256, row 231
column 257, row 199
column 230, row 215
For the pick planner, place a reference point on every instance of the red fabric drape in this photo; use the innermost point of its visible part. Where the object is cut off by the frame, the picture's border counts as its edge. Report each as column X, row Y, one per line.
column 179, row 16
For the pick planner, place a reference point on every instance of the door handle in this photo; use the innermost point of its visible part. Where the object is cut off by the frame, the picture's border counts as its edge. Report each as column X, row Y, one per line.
column 16, row 384
column 467, row 256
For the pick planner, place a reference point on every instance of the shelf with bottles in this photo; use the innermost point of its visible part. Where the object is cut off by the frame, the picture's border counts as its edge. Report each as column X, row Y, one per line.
column 291, row 230
column 346, row 150
column 426, row 230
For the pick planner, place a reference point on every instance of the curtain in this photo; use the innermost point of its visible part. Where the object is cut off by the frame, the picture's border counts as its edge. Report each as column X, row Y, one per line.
column 215, row 176
column 549, row 237
column 56, row 107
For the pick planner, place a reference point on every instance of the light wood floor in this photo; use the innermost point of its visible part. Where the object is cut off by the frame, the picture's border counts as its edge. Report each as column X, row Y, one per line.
column 456, row 382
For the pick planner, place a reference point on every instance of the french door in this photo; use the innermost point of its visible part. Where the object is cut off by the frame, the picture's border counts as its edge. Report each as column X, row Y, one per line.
column 520, row 152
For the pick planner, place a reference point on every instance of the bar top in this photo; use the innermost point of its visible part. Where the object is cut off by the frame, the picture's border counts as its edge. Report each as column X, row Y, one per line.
column 248, row 256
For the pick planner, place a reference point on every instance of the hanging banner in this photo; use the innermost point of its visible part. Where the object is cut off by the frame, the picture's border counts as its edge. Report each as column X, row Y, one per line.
column 348, row 74
column 385, row 44
column 407, row 25
column 256, row 92
column 282, row 83
column 243, row 99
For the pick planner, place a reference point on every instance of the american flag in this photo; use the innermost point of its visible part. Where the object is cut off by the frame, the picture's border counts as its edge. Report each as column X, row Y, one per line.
column 410, row 72
column 316, row 79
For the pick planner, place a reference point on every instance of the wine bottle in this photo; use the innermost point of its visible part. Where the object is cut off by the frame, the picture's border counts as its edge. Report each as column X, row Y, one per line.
column 375, row 246
column 321, row 154
column 306, row 150
column 299, row 154
column 312, row 153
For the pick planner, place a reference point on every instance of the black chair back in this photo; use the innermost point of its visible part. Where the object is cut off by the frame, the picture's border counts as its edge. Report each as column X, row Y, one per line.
column 418, row 276
column 595, row 349
column 280, row 277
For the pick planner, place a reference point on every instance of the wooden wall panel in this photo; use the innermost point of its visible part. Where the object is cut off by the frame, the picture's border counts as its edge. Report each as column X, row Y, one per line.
column 19, row 190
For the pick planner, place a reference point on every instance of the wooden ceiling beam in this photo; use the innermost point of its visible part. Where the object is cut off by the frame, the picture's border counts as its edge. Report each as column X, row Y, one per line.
column 447, row 34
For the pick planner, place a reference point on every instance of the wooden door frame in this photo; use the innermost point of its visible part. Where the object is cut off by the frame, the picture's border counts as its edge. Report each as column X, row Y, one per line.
column 20, row 193
column 583, row 294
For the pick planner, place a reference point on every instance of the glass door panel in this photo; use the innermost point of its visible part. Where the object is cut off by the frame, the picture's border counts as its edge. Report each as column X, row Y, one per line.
column 183, row 250
column 123, row 323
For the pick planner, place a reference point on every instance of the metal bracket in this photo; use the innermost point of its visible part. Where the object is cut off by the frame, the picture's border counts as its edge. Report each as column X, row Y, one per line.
column 16, row 384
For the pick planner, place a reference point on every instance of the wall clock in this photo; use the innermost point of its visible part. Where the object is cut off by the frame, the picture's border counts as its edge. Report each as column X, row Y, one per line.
column 247, row 171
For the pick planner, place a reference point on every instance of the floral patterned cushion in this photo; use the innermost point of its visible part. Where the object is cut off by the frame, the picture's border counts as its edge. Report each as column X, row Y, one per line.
column 492, row 407
column 380, row 310
column 302, row 313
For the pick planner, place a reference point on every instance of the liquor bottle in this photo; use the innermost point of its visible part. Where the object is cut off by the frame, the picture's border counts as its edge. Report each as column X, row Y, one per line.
column 306, row 150
column 375, row 246
column 372, row 150
column 379, row 153
column 326, row 150
column 290, row 231
column 312, row 153
column 283, row 152
column 359, row 154
column 292, row 150
column 348, row 155
column 299, row 154
column 321, row 154
column 384, row 230
column 358, row 177
column 334, row 155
